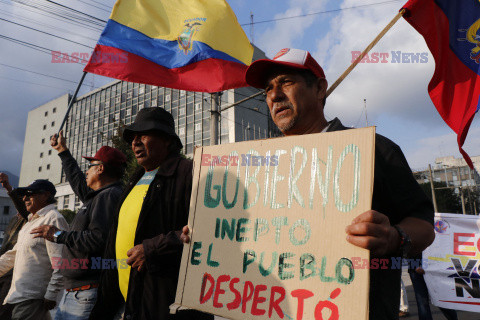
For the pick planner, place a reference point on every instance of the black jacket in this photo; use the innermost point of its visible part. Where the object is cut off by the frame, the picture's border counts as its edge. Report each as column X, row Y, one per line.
column 396, row 194
column 163, row 214
column 88, row 231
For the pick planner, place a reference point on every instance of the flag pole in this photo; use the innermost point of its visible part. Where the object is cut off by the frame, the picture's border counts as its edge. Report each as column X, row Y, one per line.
column 367, row 49
column 72, row 100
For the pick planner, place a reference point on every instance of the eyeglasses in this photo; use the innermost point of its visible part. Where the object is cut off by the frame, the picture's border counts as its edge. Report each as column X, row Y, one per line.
column 30, row 193
column 93, row 165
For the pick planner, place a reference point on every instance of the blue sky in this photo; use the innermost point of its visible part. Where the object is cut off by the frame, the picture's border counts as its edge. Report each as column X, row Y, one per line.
column 396, row 93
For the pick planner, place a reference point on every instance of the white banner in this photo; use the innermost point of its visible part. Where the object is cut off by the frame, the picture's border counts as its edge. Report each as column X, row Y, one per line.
column 452, row 273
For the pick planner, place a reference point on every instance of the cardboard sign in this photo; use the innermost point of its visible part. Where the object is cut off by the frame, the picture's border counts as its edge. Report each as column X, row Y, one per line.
column 452, row 262
column 267, row 221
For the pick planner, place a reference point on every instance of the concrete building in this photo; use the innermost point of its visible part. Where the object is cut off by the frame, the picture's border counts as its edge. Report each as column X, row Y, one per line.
column 97, row 115
column 455, row 174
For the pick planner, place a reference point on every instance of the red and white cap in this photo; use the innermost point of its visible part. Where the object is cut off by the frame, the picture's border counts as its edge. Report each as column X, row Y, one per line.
column 259, row 71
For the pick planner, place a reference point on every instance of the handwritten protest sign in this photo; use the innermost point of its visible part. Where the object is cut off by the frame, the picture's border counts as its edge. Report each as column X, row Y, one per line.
column 268, row 225
column 452, row 262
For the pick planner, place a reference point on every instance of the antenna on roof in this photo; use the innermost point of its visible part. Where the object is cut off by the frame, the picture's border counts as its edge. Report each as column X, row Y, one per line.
column 251, row 28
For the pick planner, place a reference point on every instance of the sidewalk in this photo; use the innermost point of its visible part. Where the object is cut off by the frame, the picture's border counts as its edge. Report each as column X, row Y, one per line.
column 437, row 315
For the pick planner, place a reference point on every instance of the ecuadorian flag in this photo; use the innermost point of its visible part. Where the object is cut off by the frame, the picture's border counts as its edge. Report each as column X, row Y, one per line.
column 194, row 45
column 451, row 29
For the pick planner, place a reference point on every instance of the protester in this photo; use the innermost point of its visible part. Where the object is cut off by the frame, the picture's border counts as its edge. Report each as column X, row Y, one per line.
column 10, row 237
column 84, row 241
column 35, row 284
column 401, row 219
column 154, row 207
column 422, row 296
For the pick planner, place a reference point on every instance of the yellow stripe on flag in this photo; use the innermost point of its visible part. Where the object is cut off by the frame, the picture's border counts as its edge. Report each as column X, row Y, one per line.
column 167, row 19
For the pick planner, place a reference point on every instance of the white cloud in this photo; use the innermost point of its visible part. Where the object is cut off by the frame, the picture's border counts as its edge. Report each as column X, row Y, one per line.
column 284, row 33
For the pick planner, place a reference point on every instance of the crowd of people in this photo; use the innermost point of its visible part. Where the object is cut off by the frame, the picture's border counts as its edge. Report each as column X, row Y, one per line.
column 142, row 225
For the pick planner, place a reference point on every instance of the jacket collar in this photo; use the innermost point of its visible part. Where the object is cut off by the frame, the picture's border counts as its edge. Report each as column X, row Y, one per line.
column 41, row 212
column 167, row 168
column 335, row 125
column 93, row 193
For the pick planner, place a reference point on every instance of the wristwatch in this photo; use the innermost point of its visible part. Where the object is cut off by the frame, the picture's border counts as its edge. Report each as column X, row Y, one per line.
column 56, row 235
column 405, row 242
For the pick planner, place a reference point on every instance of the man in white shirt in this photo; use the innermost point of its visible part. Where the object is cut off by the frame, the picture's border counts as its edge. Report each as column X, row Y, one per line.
column 35, row 284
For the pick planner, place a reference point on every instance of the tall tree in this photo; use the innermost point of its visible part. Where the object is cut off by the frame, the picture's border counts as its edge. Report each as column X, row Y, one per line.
column 447, row 200
column 120, row 144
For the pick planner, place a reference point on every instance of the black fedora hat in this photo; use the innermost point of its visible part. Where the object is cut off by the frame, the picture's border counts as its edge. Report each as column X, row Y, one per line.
column 149, row 119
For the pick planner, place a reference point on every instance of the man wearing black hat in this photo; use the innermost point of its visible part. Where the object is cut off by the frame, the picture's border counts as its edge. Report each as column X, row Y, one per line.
column 35, row 284
column 153, row 209
column 99, row 190
column 401, row 220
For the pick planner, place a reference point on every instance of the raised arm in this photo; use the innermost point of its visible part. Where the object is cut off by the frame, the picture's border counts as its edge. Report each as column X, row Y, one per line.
column 74, row 175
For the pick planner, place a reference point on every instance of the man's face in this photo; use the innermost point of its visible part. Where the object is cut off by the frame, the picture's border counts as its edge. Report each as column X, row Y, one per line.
column 92, row 174
column 294, row 105
column 150, row 149
column 35, row 201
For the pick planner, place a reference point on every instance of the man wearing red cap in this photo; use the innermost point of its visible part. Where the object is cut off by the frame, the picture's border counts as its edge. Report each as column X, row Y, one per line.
column 99, row 190
column 401, row 220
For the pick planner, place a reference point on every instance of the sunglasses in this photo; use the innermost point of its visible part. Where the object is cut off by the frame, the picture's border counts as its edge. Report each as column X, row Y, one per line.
column 93, row 165
column 32, row 193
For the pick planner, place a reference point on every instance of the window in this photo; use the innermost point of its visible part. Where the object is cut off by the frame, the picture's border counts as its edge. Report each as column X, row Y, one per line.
column 43, row 140
column 181, row 131
column 41, row 154
column 6, row 210
column 167, row 97
column 44, row 127
column 46, row 113
column 129, row 111
column 154, row 103
column 182, row 93
column 39, row 169
column 140, row 106
column 66, row 201
column 198, row 126
column 198, row 106
column 181, row 111
column 142, row 90
column 118, row 100
column 117, row 116
column 95, row 124
column 49, row 152
column 53, row 123
column 48, row 166
column 105, row 121
column 129, row 95
column 54, row 110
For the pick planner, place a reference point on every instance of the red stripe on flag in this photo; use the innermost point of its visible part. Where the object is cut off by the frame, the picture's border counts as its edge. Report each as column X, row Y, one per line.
column 210, row 75
column 454, row 88
column 462, row 302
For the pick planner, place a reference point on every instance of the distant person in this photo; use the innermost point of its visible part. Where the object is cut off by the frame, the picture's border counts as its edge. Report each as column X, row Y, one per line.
column 35, row 284
column 153, row 209
column 422, row 296
column 403, row 312
column 10, row 236
column 99, row 189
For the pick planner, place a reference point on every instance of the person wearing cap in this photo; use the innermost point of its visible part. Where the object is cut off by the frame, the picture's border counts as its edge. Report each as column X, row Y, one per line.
column 401, row 220
column 35, row 284
column 99, row 189
column 152, row 211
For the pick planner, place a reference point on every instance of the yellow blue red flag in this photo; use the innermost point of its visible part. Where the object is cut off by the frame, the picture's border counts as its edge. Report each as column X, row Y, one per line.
column 195, row 45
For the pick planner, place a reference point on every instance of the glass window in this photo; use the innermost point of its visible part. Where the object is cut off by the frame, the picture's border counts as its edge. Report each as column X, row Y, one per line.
column 6, row 210
column 41, row 154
